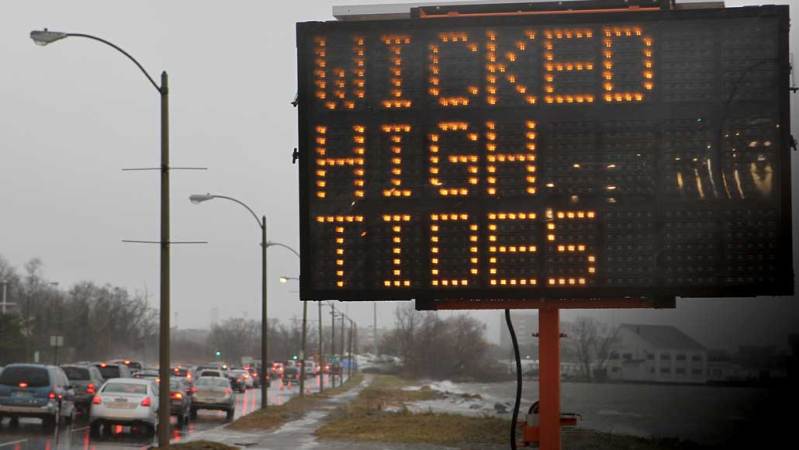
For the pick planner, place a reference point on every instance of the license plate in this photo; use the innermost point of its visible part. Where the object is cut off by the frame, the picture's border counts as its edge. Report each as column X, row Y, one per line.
column 22, row 394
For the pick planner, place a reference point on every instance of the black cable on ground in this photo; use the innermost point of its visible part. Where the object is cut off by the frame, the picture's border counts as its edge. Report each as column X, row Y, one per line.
column 518, row 380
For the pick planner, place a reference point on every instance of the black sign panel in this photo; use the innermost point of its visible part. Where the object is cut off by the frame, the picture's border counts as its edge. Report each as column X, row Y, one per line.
column 546, row 156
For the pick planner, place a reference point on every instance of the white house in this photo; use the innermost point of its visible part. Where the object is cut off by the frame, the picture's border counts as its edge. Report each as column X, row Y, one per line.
column 656, row 353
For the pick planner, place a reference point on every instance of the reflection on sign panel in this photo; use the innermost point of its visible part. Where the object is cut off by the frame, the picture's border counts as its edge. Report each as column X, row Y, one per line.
column 616, row 155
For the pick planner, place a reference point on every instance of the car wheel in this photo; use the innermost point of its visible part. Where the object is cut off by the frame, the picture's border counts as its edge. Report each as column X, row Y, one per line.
column 94, row 429
column 149, row 429
column 230, row 414
column 193, row 414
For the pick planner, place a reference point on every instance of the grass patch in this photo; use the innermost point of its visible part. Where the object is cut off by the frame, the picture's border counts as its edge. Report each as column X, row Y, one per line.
column 276, row 415
column 367, row 419
column 427, row 428
column 197, row 445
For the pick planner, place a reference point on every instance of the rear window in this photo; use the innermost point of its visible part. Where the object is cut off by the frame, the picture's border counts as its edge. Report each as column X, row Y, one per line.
column 212, row 382
column 109, row 371
column 210, row 373
column 76, row 373
column 33, row 376
column 125, row 388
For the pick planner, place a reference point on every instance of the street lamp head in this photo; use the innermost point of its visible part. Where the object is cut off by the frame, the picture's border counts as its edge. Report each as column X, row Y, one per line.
column 284, row 280
column 199, row 198
column 44, row 37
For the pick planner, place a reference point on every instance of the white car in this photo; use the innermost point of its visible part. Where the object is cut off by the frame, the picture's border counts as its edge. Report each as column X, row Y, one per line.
column 125, row 401
column 310, row 368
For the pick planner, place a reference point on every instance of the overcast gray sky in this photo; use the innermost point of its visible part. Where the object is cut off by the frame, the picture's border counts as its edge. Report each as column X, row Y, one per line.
column 75, row 113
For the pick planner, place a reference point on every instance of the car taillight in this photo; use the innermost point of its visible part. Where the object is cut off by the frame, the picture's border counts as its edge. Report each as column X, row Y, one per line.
column 90, row 389
column 51, row 395
column 177, row 396
column 23, row 384
column 146, row 401
column 193, row 389
column 97, row 400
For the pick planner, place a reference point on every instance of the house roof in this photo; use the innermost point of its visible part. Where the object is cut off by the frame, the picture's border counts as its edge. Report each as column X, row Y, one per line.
column 663, row 336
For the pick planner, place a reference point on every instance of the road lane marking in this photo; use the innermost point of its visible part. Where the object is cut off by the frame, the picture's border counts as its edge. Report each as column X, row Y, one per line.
column 74, row 430
column 6, row 444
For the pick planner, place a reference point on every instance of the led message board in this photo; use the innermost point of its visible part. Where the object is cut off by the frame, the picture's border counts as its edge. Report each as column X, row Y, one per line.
column 546, row 156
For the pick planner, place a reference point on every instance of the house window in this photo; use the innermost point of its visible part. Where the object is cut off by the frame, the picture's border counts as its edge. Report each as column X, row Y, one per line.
column 614, row 355
column 697, row 371
column 615, row 370
column 627, row 356
column 696, row 358
column 650, row 356
column 665, row 357
column 665, row 370
column 680, row 357
column 651, row 370
column 680, row 371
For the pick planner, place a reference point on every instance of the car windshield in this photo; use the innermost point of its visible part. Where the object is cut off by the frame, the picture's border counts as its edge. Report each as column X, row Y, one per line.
column 77, row 373
column 211, row 373
column 175, row 385
column 125, row 388
column 32, row 376
column 109, row 371
column 212, row 382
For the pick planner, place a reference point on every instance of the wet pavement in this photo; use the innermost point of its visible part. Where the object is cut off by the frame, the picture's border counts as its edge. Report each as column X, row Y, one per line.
column 29, row 434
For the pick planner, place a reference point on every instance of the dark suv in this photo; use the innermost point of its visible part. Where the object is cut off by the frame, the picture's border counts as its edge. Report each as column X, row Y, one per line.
column 35, row 390
column 86, row 381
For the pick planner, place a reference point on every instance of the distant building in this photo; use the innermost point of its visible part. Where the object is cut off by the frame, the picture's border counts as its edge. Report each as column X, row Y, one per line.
column 656, row 353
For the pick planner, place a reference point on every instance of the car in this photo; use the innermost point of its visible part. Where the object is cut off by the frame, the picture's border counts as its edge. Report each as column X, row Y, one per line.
column 134, row 366
column 185, row 374
column 110, row 370
column 179, row 400
column 85, row 381
column 277, row 369
column 291, row 372
column 125, row 401
column 243, row 379
column 36, row 390
column 213, row 393
column 310, row 368
column 147, row 373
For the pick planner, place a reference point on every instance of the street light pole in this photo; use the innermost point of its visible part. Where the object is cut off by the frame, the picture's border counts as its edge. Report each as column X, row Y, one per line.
column 265, row 244
column 264, row 378
column 302, row 353
column 45, row 37
column 164, row 405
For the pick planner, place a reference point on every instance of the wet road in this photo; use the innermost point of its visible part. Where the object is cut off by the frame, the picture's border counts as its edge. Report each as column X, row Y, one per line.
column 29, row 433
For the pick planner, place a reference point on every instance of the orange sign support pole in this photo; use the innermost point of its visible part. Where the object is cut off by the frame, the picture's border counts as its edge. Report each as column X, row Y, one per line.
column 549, row 377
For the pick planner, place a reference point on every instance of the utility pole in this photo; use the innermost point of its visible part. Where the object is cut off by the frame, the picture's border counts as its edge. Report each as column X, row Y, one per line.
column 332, row 341
column 321, row 357
column 343, row 350
column 374, row 326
